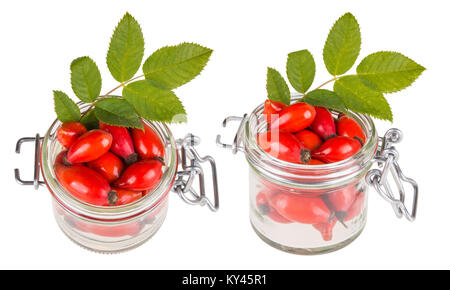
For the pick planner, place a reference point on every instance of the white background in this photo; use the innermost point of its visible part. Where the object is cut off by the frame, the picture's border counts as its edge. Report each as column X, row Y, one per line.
column 39, row 39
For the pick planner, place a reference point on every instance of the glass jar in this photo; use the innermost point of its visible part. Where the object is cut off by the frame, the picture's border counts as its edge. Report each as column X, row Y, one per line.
column 120, row 228
column 314, row 209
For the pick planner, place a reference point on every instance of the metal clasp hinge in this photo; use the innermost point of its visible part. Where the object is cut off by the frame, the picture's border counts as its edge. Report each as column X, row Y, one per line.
column 236, row 146
column 191, row 164
column 387, row 159
column 37, row 150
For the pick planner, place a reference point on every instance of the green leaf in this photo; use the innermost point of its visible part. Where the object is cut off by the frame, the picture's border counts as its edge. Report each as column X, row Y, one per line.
column 176, row 65
column 65, row 108
column 277, row 89
column 126, row 49
column 154, row 103
column 300, row 68
column 117, row 112
column 343, row 45
column 324, row 98
column 89, row 120
column 86, row 79
column 388, row 71
column 360, row 98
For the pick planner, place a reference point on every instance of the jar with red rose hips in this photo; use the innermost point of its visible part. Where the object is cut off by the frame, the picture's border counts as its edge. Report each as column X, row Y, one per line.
column 117, row 224
column 315, row 207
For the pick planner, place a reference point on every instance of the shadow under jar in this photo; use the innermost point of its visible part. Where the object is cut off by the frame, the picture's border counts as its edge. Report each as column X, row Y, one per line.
column 120, row 228
column 312, row 209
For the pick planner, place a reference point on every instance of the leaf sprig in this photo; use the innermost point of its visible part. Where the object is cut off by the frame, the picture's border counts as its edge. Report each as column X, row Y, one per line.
column 378, row 73
column 151, row 97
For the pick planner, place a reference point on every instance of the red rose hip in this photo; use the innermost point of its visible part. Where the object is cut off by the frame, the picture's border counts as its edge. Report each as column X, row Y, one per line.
column 85, row 184
column 323, row 125
column 142, row 175
column 284, row 146
column 272, row 109
column 69, row 132
column 348, row 127
column 337, row 149
column 114, row 231
column 147, row 142
column 89, row 146
column 126, row 196
column 122, row 144
column 108, row 165
column 265, row 209
column 340, row 201
column 306, row 210
column 294, row 118
column 309, row 139
column 326, row 230
column 356, row 207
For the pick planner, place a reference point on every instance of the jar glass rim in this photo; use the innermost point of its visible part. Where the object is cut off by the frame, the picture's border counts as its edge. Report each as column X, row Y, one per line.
column 304, row 175
column 50, row 149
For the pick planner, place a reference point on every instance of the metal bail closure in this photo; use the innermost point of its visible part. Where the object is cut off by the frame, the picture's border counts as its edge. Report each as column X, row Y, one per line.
column 236, row 146
column 191, row 164
column 37, row 150
column 387, row 159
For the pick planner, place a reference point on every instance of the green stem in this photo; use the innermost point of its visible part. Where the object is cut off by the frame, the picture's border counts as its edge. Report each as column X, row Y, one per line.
column 327, row 82
column 110, row 92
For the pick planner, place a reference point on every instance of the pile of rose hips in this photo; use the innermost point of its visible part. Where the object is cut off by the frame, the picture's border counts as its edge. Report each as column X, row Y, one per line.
column 304, row 134
column 109, row 166
column 301, row 133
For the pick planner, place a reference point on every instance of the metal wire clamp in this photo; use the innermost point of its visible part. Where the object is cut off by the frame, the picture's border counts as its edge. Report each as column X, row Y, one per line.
column 37, row 149
column 191, row 165
column 236, row 146
column 387, row 159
